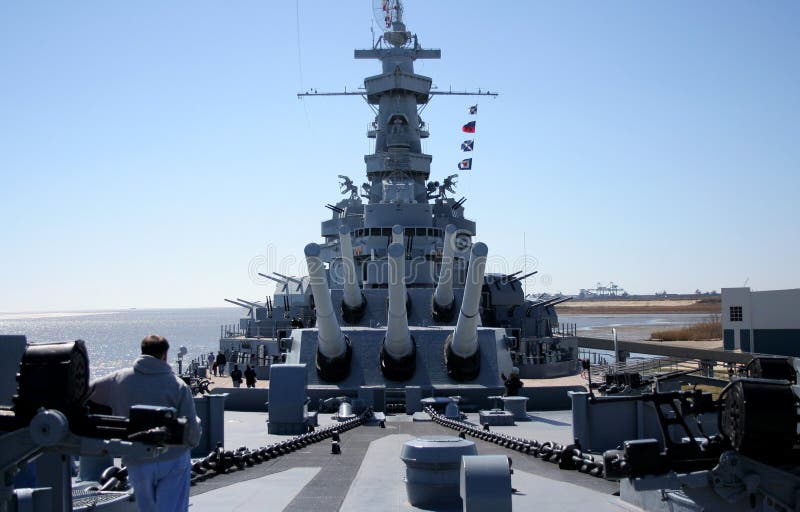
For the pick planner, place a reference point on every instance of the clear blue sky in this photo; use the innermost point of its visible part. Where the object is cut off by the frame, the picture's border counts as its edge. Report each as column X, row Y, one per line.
column 154, row 153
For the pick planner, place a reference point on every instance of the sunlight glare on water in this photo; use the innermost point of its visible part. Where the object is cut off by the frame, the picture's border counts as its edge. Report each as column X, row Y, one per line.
column 113, row 337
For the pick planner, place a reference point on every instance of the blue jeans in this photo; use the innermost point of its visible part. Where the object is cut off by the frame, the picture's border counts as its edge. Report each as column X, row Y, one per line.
column 162, row 486
column 221, row 368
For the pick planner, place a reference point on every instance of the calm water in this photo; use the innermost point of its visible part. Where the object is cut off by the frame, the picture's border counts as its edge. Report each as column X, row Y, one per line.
column 113, row 337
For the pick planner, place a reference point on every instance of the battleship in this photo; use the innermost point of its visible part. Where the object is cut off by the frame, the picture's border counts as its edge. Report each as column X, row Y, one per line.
column 402, row 237
column 388, row 367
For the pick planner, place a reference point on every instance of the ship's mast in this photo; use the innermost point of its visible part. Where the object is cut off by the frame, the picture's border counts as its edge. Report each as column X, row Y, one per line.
column 397, row 169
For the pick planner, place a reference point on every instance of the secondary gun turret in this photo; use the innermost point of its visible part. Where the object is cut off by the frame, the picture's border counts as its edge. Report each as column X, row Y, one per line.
column 333, row 347
column 354, row 303
column 399, row 354
column 444, row 301
column 461, row 352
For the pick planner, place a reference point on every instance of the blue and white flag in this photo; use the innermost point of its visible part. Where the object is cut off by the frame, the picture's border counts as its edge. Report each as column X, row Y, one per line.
column 467, row 145
column 473, row 110
column 465, row 164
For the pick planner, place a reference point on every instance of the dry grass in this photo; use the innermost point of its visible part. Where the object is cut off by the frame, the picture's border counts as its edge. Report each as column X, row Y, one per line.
column 710, row 329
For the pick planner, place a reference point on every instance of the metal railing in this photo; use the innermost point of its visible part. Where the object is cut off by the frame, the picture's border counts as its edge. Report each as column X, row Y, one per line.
column 564, row 329
column 600, row 366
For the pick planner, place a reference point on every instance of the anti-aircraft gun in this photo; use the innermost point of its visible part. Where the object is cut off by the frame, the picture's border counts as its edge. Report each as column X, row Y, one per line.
column 748, row 460
column 45, row 413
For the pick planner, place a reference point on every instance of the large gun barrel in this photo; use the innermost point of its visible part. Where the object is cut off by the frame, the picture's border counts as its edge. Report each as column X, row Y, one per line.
column 513, row 277
column 461, row 348
column 253, row 304
column 397, row 235
column 333, row 347
column 398, row 356
column 271, row 278
column 237, row 303
column 443, row 299
column 553, row 301
column 560, row 301
column 289, row 278
column 353, row 301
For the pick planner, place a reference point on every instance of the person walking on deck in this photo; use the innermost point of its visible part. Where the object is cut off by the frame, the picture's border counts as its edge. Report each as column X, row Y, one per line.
column 221, row 362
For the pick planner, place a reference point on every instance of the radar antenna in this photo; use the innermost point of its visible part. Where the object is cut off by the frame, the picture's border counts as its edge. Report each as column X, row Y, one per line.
column 387, row 13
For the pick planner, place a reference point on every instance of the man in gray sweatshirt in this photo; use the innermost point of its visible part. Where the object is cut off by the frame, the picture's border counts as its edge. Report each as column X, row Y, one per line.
column 160, row 484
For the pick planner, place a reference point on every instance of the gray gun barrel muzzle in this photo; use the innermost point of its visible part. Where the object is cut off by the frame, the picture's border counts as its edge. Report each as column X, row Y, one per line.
column 333, row 348
column 353, row 300
column 443, row 298
column 398, row 355
column 461, row 348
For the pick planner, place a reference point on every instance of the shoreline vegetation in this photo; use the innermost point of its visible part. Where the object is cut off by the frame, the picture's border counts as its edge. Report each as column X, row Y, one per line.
column 639, row 306
column 710, row 329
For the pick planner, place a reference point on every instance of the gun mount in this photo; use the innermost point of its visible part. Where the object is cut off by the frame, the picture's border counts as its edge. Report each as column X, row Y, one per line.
column 751, row 461
column 51, row 415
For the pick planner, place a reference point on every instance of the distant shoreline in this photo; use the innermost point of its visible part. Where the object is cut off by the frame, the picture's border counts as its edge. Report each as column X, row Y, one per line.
column 634, row 306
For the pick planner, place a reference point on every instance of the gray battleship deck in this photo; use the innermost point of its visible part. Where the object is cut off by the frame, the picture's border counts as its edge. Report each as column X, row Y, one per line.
column 368, row 474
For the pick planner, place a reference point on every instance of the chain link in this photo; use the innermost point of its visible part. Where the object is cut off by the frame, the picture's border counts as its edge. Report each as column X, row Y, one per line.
column 566, row 456
column 221, row 461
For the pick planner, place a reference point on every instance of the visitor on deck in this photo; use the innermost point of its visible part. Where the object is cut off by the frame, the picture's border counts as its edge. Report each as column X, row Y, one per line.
column 221, row 362
column 513, row 383
column 236, row 376
column 250, row 376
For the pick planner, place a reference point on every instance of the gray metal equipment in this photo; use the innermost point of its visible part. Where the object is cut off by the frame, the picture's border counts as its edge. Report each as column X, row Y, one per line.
column 750, row 464
column 433, row 464
column 50, row 421
column 288, row 404
column 485, row 483
column 211, row 411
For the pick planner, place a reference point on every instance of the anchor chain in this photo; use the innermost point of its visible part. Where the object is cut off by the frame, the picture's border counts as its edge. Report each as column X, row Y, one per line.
column 566, row 456
column 221, row 461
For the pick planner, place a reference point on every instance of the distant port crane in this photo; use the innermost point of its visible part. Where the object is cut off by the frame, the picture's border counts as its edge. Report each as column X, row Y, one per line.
column 612, row 290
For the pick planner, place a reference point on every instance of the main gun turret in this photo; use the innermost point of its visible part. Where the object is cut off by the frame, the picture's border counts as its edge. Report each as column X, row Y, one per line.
column 461, row 352
column 333, row 347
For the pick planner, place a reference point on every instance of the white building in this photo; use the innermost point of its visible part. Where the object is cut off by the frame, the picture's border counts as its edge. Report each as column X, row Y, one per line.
column 765, row 322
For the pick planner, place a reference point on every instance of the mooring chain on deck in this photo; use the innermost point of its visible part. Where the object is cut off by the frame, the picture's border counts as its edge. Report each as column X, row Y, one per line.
column 222, row 461
column 567, row 457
